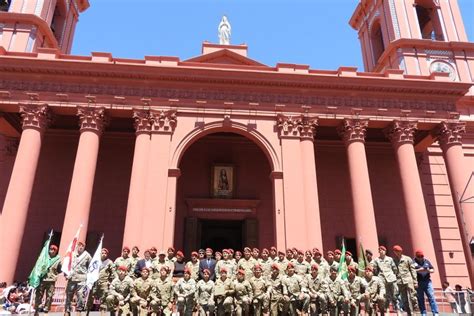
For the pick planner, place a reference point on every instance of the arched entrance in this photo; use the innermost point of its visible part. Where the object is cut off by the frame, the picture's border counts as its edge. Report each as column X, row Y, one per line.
column 224, row 195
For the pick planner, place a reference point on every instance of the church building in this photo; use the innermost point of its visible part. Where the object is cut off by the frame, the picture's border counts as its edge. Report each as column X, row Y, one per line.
column 223, row 151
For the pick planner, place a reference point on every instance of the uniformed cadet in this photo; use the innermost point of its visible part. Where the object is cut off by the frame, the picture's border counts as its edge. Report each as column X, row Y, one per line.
column 47, row 284
column 406, row 280
column 355, row 285
column 205, row 294
column 171, row 254
column 100, row 288
column 255, row 253
column 260, row 300
column 223, row 294
column 266, row 263
column 76, row 281
column 331, row 261
column 161, row 262
column 308, row 257
column 302, row 267
column 338, row 295
column 237, row 257
column 119, row 292
column 317, row 289
column 278, row 291
column 153, row 253
column 134, row 260
column 243, row 294
column 350, row 262
column 289, row 255
column 386, row 270
column 162, row 293
column 193, row 266
column 141, row 293
column 125, row 260
column 225, row 262
column 337, row 257
column 297, row 291
column 282, row 263
column 374, row 295
column 218, row 256
column 247, row 263
column 273, row 254
column 184, row 291
column 323, row 265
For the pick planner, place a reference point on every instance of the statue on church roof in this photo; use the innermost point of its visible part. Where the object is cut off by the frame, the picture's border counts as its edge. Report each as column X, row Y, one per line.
column 224, row 31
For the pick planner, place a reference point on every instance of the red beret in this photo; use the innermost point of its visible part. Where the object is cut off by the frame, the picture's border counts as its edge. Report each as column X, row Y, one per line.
column 167, row 269
column 247, row 249
column 369, row 268
column 265, row 250
column 290, row 265
column 351, row 268
column 337, row 251
column 123, row 268
column 206, row 271
column 105, row 250
column 273, row 248
column 314, row 266
column 223, row 269
column 238, row 253
column 256, row 250
column 180, row 253
column 209, row 249
column 382, row 248
column 419, row 253
column 218, row 253
column 231, row 250
column 187, row 270
column 126, row 249
column 348, row 253
column 275, row 266
column 257, row 267
column 54, row 247
column 316, row 251
column 145, row 268
column 195, row 254
column 225, row 251
column 397, row 248
column 171, row 249
column 241, row 271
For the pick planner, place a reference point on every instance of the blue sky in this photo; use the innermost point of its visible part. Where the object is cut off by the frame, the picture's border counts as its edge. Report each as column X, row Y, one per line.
column 314, row 32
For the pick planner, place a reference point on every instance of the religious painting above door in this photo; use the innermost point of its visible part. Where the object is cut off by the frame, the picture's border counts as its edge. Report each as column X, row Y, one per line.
column 222, row 181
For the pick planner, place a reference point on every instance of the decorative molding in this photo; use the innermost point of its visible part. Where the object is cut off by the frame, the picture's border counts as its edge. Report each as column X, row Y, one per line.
column 308, row 127
column 35, row 116
column 449, row 133
column 142, row 121
column 163, row 121
column 297, row 126
column 400, row 132
column 352, row 130
column 92, row 119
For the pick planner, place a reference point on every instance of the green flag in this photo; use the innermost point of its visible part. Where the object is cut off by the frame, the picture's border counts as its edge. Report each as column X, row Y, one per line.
column 362, row 260
column 342, row 271
column 41, row 265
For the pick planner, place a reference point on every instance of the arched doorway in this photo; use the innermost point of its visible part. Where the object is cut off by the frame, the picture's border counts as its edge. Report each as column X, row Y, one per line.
column 224, row 195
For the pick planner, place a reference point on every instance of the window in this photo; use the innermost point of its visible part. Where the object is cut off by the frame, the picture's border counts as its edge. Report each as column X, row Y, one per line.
column 376, row 37
column 57, row 23
column 428, row 20
column 4, row 5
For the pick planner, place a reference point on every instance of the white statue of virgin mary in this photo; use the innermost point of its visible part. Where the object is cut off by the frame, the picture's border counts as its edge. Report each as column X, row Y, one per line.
column 224, row 31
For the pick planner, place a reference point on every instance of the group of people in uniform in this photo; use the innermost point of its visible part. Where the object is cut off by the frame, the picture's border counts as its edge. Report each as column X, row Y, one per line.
column 251, row 282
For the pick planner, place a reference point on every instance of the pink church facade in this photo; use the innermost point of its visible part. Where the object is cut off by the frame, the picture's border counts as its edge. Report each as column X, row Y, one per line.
column 221, row 150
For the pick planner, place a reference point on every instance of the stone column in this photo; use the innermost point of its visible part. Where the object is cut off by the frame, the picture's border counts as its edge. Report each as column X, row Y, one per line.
column 136, row 195
column 353, row 131
column 449, row 138
column 313, row 218
column 401, row 133
column 17, row 200
column 163, row 124
column 91, row 121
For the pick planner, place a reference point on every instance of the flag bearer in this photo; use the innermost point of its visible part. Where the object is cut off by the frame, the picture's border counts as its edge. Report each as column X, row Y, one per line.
column 101, row 286
column 76, row 284
column 48, row 281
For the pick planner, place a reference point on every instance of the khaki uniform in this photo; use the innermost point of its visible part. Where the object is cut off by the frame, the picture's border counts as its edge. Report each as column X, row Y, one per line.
column 205, row 297
column 76, row 284
column 194, row 268
column 277, row 291
column 266, row 267
column 47, row 285
column 133, row 264
column 243, row 297
column 230, row 266
column 119, row 295
column 355, row 287
column 318, row 291
column 338, row 294
column 297, row 293
column 161, row 296
column 127, row 262
column 386, row 270
column 140, row 297
column 302, row 268
column 282, row 264
column 157, row 265
column 407, row 282
column 184, row 291
column 323, row 270
column 100, row 288
column 374, row 296
column 260, row 300
column 247, row 266
column 223, row 295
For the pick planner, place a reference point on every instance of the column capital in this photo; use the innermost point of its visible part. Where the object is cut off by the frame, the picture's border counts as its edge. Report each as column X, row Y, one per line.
column 449, row 133
column 92, row 119
column 163, row 121
column 399, row 132
column 296, row 126
column 142, row 121
column 35, row 116
column 353, row 130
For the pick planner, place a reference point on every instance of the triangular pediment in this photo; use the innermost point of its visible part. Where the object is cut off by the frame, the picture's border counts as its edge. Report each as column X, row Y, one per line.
column 224, row 57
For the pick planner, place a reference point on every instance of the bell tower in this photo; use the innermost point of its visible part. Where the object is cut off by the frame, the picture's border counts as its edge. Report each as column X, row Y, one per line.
column 417, row 36
column 26, row 25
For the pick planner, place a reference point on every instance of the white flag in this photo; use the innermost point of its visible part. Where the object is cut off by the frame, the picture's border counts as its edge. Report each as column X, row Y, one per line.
column 94, row 266
column 66, row 266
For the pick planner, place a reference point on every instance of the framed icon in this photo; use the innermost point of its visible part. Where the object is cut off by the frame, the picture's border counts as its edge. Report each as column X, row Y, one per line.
column 222, row 181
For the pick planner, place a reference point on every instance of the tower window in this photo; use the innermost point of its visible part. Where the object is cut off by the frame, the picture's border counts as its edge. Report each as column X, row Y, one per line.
column 378, row 45
column 4, row 5
column 428, row 21
column 57, row 24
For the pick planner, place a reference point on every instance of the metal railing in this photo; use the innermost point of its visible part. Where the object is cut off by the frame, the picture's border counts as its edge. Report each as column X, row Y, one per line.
column 463, row 302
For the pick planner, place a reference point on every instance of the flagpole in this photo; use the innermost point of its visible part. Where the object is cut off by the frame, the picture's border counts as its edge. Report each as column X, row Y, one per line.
column 87, row 287
column 32, row 296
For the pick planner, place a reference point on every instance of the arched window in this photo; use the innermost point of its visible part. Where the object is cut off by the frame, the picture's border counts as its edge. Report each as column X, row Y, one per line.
column 4, row 5
column 428, row 20
column 376, row 38
column 58, row 21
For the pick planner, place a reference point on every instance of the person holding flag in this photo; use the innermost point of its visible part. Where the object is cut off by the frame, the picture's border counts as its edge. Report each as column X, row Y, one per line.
column 76, row 279
column 44, row 275
column 342, row 271
column 99, row 276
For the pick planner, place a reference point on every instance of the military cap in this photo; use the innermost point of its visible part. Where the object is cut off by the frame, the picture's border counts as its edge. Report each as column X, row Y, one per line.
column 126, row 249
column 337, row 251
column 314, row 266
column 54, row 247
column 123, row 268
column 382, row 248
column 397, row 248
